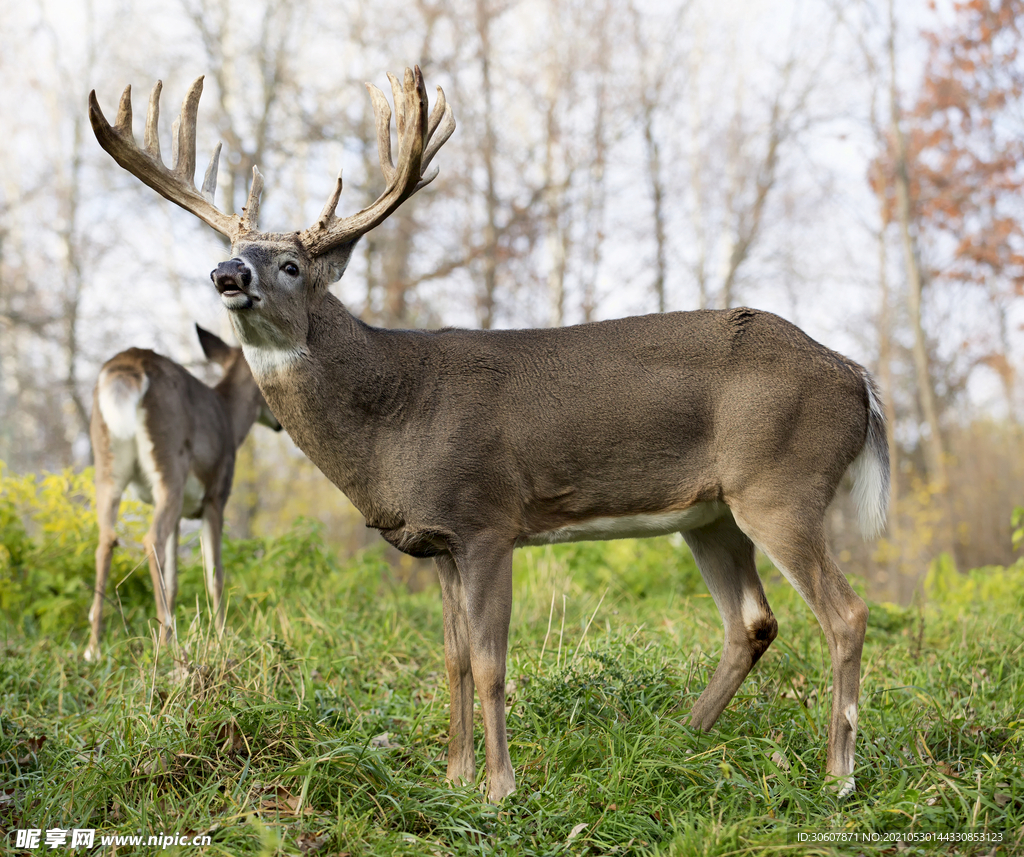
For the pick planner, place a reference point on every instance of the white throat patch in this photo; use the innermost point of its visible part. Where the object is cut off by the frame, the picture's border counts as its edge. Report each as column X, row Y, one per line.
column 267, row 360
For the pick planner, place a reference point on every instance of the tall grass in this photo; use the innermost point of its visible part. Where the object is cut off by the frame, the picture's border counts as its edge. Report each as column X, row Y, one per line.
column 317, row 725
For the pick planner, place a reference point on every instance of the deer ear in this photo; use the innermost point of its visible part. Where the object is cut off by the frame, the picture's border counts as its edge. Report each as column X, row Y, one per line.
column 335, row 261
column 215, row 348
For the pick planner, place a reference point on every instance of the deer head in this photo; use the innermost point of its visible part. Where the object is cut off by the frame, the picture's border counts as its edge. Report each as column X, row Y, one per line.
column 273, row 278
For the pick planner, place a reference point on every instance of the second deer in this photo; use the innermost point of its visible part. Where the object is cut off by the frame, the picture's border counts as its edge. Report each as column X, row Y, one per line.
column 156, row 426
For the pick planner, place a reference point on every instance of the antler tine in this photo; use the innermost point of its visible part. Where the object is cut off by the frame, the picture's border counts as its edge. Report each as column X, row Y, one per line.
column 175, row 139
column 382, row 115
column 177, row 184
column 251, row 212
column 210, row 178
column 398, row 90
column 123, row 124
column 185, row 162
column 440, row 109
column 404, row 178
column 441, row 120
column 152, row 140
column 415, row 130
column 327, row 214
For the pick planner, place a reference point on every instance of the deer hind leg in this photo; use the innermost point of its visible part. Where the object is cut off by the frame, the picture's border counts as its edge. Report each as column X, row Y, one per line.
column 461, row 754
column 108, row 501
column 795, row 542
column 161, row 543
column 485, row 568
column 170, row 570
column 210, row 539
column 725, row 557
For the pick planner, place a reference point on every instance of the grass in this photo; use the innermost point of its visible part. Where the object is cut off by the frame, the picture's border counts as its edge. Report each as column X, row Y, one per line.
column 318, row 724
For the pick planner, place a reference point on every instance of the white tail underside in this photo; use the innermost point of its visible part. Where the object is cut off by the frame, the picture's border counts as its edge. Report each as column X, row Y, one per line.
column 119, row 399
column 870, row 470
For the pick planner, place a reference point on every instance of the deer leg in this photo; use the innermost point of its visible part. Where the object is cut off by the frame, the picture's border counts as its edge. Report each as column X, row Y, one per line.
column 170, row 568
column 210, row 539
column 461, row 754
column 485, row 567
column 108, row 500
column 161, row 543
column 725, row 557
column 799, row 551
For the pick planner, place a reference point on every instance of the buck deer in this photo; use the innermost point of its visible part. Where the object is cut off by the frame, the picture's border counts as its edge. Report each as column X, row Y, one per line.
column 732, row 427
column 157, row 427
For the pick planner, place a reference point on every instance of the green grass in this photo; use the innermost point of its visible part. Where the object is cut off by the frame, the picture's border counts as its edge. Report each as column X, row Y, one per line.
column 318, row 724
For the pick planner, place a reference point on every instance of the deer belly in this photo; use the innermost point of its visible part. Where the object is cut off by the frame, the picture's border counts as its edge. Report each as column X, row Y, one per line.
column 192, row 502
column 124, row 462
column 149, row 482
column 192, row 499
column 629, row 526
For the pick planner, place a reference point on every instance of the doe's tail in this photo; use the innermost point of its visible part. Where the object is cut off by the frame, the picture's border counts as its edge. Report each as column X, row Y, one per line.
column 120, row 391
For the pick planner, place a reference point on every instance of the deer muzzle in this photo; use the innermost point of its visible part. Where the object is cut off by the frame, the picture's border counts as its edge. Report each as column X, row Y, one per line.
column 232, row 279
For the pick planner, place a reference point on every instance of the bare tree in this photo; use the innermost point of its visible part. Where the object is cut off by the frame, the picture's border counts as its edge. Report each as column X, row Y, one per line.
column 654, row 76
column 50, row 246
column 934, row 452
column 737, row 144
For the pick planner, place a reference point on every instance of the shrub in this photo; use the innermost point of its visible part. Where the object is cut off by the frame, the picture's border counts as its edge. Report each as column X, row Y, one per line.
column 47, row 542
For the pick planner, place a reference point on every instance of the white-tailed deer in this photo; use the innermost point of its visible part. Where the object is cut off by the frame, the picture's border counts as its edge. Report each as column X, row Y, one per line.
column 159, row 428
column 732, row 427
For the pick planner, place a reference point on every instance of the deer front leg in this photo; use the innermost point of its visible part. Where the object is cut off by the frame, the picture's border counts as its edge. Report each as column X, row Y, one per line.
column 461, row 755
column 485, row 568
column 210, row 540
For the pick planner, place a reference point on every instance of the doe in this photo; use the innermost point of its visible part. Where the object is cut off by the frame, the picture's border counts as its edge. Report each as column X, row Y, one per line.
column 156, row 426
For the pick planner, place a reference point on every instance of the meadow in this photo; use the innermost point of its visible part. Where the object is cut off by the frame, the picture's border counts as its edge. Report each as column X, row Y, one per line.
column 317, row 725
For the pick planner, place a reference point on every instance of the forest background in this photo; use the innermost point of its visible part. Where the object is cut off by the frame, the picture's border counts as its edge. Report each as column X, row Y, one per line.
column 854, row 167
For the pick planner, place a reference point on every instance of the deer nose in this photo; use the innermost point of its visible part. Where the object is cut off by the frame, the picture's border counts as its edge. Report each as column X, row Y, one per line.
column 231, row 276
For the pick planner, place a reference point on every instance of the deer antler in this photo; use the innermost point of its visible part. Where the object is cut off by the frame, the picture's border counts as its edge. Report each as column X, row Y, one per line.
column 419, row 138
column 176, row 183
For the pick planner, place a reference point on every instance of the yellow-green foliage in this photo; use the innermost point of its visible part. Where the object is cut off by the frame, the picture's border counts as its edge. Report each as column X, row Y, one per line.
column 47, row 543
column 638, row 567
column 1017, row 522
column 955, row 592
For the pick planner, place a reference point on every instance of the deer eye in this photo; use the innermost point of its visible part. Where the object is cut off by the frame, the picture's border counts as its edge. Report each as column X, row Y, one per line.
column 291, row 269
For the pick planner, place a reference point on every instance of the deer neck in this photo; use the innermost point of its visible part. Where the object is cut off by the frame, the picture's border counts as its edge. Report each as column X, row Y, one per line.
column 342, row 397
column 236, row 391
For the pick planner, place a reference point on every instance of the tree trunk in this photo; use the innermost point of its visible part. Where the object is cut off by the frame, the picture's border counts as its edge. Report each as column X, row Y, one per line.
column 487, row 301
column 934, row 452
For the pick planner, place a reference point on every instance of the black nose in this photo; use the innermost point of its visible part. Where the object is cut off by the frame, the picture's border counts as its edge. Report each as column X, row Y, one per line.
column 231, row 276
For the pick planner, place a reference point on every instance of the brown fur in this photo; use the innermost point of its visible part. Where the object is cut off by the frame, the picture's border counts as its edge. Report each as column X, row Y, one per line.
column 462, row 444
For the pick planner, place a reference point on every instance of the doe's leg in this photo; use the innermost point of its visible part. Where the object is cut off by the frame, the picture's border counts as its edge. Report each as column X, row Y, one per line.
column 108, row 501
column 210, row 538
column 161, row 543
